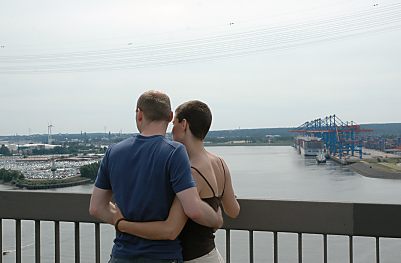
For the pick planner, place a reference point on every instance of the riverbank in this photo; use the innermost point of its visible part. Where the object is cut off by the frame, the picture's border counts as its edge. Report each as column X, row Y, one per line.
column 37, row 184
column 377, row 170
column 374, row 164
column 249, row 144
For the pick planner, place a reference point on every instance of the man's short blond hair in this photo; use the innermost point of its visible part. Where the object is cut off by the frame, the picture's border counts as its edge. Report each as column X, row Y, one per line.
column 155, row 105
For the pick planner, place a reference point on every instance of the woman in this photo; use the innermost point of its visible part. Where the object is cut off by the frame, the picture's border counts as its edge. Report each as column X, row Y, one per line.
column 191, row 124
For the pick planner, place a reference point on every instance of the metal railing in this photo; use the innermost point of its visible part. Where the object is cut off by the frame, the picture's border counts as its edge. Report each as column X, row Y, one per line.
column 275, row 216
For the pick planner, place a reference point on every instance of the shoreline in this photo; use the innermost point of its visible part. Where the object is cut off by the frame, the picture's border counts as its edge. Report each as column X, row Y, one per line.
column 247, row 144
column 52, row 183
column 374, row 170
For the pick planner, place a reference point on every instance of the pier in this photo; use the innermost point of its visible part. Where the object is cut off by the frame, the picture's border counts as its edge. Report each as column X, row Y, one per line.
column 350, row 220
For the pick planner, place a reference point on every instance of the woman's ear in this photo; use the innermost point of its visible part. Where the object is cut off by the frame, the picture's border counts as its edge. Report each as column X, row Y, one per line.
column 184, row 124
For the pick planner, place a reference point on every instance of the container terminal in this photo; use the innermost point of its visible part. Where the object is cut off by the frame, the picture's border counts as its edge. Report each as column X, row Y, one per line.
column 343, row 142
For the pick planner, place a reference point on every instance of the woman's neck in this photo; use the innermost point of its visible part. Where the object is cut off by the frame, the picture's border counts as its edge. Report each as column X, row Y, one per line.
column 194, row 148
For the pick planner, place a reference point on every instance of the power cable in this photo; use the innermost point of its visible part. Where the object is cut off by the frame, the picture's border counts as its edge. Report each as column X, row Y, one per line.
column 217, row 47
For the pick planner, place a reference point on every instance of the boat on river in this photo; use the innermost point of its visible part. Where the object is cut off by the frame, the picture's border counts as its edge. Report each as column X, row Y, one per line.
column 309, row 145
column 320, row 158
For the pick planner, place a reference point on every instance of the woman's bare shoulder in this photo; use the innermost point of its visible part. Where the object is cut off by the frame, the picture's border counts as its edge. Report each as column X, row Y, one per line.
column 213, row 157
column 216, row 160
column 218, row 163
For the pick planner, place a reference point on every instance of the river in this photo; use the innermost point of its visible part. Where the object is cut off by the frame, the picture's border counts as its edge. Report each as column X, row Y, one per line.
column 257, row 172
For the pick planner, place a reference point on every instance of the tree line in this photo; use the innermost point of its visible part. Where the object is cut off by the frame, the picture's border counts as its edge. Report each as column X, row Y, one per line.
column 4, row 150
column 90, row 170
column 7, row 175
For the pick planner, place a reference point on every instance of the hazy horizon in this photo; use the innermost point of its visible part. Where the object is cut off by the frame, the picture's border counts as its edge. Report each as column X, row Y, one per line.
column 169, row 130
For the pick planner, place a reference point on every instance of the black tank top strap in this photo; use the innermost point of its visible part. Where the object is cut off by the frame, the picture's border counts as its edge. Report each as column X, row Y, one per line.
column 224, row 173
column 204, row 178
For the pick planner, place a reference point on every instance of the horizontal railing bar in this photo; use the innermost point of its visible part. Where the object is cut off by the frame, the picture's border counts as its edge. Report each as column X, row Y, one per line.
column 307, row 217
column 318, row 218
column 45, row 206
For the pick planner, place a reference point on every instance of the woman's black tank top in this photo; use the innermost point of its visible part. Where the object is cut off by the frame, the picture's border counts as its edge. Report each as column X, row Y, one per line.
column 198, row 240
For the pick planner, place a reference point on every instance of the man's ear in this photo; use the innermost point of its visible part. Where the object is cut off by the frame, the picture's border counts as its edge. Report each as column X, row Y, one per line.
column 170, row 116
column 138, row 119
column 139, row 115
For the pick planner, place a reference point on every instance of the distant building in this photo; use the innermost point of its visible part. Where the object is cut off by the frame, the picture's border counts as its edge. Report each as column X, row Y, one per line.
column 28, row 148
column 13, row 148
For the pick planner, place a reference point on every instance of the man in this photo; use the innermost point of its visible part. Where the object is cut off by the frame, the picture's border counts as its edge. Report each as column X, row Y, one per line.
column 144, row 173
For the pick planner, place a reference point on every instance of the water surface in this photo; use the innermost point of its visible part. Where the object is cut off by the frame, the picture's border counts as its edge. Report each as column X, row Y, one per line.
column 257, row 172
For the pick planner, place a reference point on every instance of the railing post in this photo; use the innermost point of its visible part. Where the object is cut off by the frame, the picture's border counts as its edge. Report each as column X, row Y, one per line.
column 77, row 243
column 56, row 241
column 228, row 246
column 18, row 240
column 351, row 249
column 250, row 246
column 97, row 242
column 377, row 250
column 37, row 241
column 325, row 248
column 299, row 247
column 275, row 247
column 1, row 240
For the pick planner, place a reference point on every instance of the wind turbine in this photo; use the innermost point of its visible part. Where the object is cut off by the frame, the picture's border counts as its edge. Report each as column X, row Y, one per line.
column 49, row 133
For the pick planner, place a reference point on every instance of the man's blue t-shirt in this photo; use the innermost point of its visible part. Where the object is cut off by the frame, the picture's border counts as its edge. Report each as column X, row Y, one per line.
column 144, row 174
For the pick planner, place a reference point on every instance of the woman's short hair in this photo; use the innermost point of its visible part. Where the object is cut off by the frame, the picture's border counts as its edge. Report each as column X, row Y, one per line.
column 198, row 116
column 155, row 105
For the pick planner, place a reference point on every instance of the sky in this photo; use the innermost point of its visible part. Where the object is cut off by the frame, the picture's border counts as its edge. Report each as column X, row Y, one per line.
column 81, row 65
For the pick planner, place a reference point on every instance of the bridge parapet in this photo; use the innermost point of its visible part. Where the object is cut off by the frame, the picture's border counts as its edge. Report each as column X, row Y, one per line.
column 276, row 216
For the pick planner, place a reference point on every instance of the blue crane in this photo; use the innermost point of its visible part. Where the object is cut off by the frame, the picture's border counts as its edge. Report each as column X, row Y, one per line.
column 340, row 138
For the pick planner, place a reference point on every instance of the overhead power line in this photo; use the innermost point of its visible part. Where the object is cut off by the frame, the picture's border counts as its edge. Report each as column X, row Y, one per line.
column 283, row 37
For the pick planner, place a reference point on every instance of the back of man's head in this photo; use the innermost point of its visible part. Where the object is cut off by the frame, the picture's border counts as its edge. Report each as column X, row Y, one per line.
column 155, row 106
